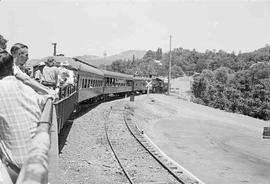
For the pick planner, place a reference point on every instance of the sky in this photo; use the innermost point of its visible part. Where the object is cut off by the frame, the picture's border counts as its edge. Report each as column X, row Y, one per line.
column 93, row 27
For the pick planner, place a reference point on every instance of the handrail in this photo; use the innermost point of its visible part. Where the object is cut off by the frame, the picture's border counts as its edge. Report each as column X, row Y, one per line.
column 66, row 91
column 35, row 169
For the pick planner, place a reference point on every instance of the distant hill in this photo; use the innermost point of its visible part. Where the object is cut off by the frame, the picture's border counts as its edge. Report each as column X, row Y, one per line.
column 97, row 61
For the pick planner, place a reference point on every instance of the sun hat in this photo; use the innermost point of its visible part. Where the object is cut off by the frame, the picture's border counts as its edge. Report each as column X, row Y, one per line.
column 64, row 63
column 41, row 63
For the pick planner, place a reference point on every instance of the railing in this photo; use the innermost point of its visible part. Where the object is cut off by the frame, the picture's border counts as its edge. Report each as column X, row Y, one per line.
column 66, row 91
column 66, row 104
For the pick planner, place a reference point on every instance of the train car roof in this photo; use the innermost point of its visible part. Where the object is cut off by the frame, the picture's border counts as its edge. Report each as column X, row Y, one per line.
column 75, row 64
column 141, row 78
column 84, row 67
column 116, row 74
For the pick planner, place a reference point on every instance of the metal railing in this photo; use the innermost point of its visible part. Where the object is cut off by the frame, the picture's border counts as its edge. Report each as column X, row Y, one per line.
column 66, row 91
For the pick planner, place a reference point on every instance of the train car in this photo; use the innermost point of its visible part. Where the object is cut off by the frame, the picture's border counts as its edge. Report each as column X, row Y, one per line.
column 140, row 84
column 157, row 85
column 116, row 83
column 90, row 81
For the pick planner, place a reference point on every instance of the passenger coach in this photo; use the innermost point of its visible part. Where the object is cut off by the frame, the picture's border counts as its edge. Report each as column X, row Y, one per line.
column 116, row 83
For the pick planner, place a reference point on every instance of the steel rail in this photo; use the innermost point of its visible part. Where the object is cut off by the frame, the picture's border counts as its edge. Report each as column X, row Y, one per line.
column 115, row 155
column 158, row 160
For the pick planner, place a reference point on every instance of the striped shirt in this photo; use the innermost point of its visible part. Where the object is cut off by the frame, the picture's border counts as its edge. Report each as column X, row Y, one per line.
column 20, row 111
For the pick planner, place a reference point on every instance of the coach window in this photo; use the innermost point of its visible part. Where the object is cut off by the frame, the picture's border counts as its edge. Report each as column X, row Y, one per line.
column 85, row 83
column 82, row 83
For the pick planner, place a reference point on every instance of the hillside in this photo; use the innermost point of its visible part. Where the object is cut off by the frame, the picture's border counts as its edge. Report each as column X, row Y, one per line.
column 97, row 61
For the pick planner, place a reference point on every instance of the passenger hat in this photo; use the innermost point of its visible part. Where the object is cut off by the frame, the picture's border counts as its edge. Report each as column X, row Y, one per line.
column 41, row 63
column 64, row 63
column 50, row 60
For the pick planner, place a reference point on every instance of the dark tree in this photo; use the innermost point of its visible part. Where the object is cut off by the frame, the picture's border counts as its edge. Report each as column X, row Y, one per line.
column 3, row 42
column 159, row 54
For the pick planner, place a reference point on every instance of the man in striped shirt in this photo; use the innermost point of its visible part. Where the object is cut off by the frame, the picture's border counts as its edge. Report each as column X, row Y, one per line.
column 20, row 111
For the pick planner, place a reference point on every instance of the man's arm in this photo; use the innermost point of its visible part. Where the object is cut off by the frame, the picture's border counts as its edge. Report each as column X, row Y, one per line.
column 33, row 84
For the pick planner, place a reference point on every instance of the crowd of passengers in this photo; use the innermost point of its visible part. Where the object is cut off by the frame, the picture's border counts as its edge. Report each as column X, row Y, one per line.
column 22, row 100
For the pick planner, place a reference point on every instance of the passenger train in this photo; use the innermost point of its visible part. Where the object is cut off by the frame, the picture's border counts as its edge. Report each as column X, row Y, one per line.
column 92, row 85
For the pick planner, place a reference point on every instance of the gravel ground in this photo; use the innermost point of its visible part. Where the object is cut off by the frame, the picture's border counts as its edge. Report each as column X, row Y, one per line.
column 87, row 158
column 197, row 137
column 138, row 163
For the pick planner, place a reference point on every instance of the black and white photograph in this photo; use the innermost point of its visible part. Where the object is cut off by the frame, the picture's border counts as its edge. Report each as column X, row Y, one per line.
column 134, row 91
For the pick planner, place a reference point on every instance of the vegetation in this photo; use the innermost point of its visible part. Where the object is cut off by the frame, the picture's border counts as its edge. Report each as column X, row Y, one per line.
column 239, row 84
column 153, row 63
column 3, row 42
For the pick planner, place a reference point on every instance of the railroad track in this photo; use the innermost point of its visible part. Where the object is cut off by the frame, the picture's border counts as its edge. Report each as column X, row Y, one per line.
column 139, row 160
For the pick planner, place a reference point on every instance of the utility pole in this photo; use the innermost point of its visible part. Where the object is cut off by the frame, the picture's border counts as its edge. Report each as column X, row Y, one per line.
column 54, row 48
column 170, row 67
column 105, row 54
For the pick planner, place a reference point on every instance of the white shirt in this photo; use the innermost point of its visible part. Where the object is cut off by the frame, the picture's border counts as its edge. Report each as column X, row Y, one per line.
column 17, row 69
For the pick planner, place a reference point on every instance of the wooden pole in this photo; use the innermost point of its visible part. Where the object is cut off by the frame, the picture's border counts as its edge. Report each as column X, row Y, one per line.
column 170, row 67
